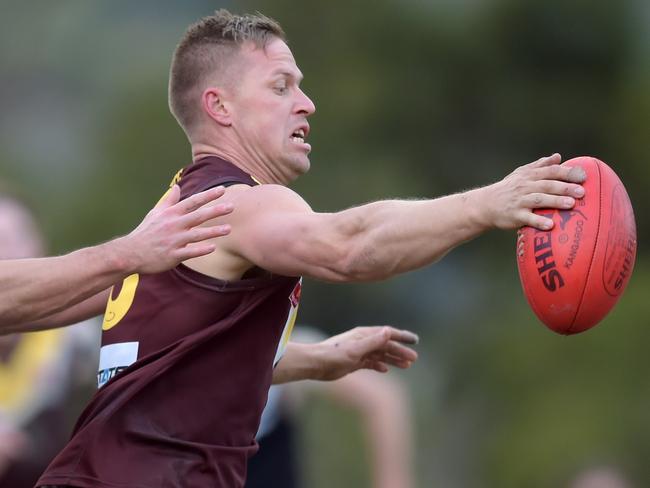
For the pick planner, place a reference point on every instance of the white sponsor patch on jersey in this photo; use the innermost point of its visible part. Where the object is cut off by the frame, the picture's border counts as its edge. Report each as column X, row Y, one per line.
column 115, row 358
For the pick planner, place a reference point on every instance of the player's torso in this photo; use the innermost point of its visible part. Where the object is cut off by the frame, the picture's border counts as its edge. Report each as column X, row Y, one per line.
column 148, row 313
column 185, row 366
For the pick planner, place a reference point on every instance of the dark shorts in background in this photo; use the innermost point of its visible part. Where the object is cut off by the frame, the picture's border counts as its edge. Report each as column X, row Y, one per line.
column 275, row 465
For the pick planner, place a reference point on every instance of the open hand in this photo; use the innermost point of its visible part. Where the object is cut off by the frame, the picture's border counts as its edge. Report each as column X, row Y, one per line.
column 374, row 348
column 509, row 203
column 172, row 232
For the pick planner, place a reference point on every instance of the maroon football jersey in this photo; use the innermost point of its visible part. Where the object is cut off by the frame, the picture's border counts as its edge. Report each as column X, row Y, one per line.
column 185, row 366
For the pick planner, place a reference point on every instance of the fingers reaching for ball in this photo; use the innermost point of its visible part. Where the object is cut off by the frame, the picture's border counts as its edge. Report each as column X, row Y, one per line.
column 518, row 199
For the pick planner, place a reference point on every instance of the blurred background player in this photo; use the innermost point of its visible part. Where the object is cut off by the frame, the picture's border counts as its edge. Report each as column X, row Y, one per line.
column 38, row 371
column 381, row 407
column 601, row 476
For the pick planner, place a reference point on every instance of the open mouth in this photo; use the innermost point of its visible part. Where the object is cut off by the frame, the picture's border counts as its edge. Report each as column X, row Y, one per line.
column 298, row 136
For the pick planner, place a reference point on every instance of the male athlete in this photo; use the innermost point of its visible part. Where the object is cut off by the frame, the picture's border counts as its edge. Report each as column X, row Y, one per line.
column 34, row 288
column 188, row 355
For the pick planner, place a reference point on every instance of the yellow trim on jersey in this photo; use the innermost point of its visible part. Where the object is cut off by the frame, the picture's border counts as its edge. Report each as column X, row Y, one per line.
column 289, row 327
column 289, row 324
column 176, row 178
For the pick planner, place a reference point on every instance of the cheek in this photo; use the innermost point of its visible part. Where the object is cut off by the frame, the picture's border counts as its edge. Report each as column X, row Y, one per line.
column 265, row 123
column 267, row 130
column 257, row 125
column 271, row 128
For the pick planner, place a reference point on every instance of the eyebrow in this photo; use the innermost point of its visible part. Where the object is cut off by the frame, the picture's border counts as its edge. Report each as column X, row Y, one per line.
column 282, row 72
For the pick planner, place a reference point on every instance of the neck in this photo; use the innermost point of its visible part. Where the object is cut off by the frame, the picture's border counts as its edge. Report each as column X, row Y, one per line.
column 259, row 171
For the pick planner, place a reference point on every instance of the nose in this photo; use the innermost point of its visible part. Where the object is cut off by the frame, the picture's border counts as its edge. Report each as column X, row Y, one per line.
column 304, row 104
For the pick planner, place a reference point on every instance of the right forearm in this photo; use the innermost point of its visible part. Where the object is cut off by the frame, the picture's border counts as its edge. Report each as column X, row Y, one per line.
column 35, row 288
column 395, row 237
column 391, row 237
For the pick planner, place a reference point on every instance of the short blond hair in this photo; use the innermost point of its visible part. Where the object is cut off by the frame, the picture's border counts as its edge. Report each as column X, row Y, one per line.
column 207, row 49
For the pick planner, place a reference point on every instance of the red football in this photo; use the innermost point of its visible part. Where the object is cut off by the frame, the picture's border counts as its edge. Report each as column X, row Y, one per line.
column 575, row 273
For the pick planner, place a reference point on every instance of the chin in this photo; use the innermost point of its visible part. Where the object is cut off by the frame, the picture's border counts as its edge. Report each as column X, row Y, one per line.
column 306, row 165
column 300, row 167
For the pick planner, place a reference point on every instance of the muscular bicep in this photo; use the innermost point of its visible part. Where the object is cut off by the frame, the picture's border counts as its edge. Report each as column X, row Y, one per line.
column 276, row 229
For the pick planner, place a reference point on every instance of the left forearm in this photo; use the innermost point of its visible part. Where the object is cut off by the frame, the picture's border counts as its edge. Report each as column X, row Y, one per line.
column 360, row 348
column 300, row 362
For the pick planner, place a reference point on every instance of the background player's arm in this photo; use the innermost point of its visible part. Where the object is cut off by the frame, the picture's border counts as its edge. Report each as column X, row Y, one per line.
column 276, row 230
column 383, row 406
column 87, row 309
column 35, row 288
column 374, row 348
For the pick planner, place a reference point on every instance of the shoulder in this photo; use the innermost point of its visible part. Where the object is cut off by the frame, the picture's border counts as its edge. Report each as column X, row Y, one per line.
column 265, row 198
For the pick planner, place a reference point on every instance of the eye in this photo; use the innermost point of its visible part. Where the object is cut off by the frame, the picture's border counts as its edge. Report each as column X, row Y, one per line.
column 281, row 86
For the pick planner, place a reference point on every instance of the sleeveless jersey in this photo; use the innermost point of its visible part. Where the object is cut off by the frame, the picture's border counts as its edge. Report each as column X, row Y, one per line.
column 186, row 364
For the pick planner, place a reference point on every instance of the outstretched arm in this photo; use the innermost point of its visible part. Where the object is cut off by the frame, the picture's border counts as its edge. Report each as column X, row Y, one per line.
column 34, row 288
column 360, row 348
column 275, row 229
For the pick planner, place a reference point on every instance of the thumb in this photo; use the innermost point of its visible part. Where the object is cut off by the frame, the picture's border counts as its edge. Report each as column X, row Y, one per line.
column 170, row 198
column 373, row 342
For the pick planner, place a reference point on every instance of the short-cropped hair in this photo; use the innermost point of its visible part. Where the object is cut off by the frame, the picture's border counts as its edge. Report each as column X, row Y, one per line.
column 207, row 49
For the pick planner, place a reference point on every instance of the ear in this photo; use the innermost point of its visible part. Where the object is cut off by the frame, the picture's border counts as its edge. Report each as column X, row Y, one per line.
column 215, row 107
